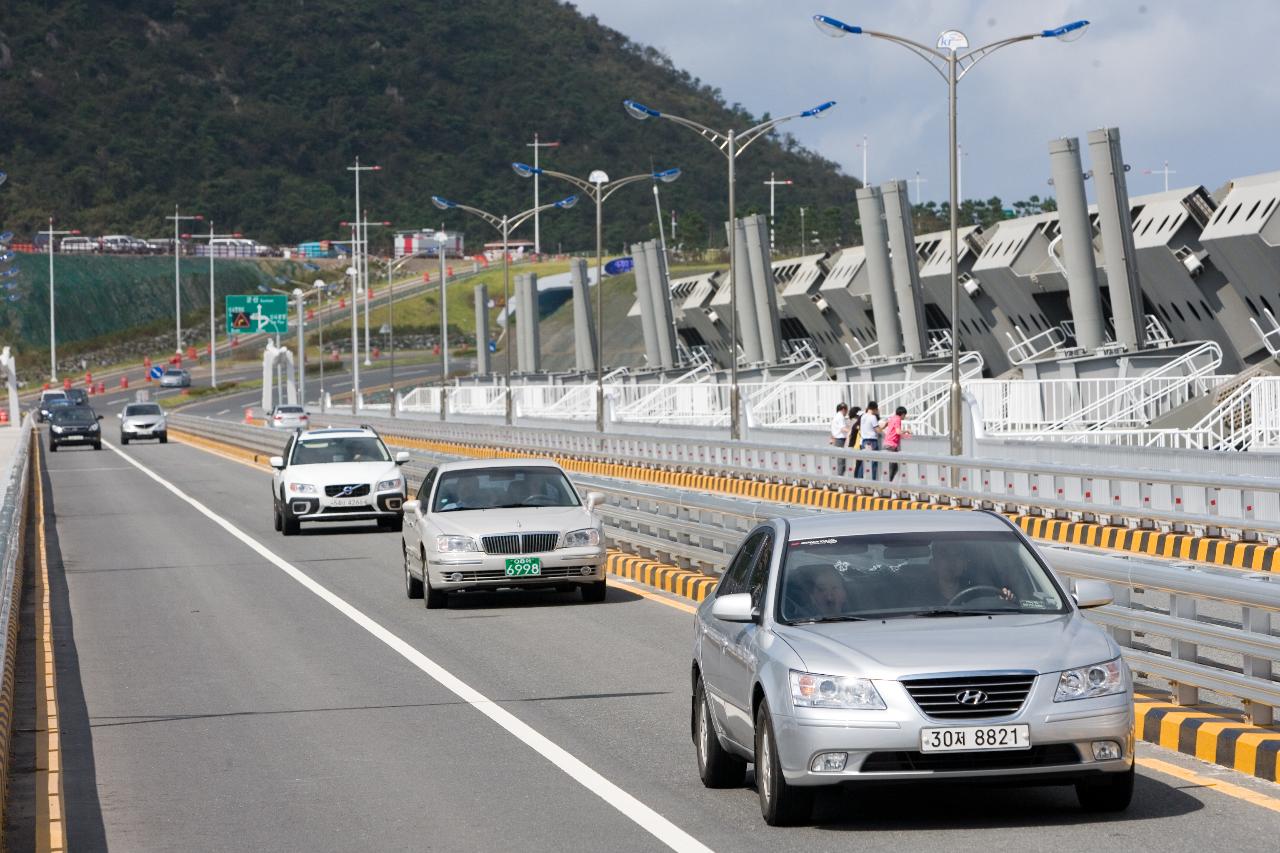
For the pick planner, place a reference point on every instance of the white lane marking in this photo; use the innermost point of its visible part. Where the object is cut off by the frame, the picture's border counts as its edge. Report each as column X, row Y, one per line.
column 657, row 825
column 223, row 412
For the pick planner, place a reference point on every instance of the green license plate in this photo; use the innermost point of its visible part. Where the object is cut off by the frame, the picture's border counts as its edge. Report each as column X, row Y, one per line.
column 524, row 567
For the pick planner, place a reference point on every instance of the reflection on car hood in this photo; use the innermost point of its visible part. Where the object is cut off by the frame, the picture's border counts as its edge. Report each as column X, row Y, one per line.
column 897, row 647
column 341, row 473
column 483, row 522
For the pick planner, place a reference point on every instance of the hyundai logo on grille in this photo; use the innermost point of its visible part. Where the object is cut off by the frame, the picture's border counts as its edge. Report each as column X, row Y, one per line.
column 971, row 697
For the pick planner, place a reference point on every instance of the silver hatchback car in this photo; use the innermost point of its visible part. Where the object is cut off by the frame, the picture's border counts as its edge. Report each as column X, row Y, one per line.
column 900, row 646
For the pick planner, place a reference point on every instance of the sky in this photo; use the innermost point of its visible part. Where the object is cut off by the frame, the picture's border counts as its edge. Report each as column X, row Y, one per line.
column 1190, row 83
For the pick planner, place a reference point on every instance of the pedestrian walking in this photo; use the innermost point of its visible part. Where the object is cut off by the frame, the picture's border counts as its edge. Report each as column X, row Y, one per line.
column 840, row 429
column 894, row 432
column 869, row 430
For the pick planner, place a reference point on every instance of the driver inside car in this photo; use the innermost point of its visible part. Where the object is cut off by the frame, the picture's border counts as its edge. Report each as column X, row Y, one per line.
column 956, row 572
column 822, row 593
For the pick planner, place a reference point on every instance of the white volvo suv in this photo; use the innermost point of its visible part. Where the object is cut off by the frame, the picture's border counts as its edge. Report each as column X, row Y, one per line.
column 486, row 524
column 337, row 475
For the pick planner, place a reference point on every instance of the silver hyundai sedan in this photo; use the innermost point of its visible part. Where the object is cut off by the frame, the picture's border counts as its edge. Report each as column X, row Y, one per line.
column 895, row 646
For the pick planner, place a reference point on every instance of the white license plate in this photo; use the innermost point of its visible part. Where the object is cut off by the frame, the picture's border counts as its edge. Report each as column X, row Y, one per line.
column 975, row 738
column 348, row 501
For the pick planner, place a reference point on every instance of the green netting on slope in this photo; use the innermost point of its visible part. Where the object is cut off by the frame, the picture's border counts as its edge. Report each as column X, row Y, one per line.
column 99, row 295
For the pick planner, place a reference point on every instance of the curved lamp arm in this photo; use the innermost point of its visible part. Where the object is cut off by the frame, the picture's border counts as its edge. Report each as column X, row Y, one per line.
column 520, row 218
column 666, row 176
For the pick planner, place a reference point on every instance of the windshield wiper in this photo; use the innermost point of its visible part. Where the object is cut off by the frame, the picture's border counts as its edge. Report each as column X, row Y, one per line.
column 949, row 611
column 820, row 620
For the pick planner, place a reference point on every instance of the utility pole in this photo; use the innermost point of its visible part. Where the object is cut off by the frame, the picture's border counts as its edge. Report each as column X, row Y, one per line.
column 917, row 180
column 1166, row 171
column 772, row 183
column 537, row 224
column 53, row 326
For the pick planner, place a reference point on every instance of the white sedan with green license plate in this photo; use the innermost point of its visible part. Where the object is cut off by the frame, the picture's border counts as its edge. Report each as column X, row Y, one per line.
column 489, row 524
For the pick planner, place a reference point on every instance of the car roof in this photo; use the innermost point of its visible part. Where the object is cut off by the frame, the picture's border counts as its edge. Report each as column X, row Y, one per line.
column 894, row 521
column 473, row 464
column 337, row 432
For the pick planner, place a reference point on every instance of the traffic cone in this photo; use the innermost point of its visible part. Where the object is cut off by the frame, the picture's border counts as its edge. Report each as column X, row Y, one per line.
column 342, row 302
column 46, row 386
column 66, row 384
column 124, row 381
column 88, row 378
column 248, row 415
column 102, row 387
column 4, row 416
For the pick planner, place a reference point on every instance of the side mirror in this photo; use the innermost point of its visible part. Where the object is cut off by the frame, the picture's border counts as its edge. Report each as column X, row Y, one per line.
column 594, row 499
column 276, row 462
column 411, row 506
column 734, row 608
column 402, row 456
column 1092, row 594
column 99, row 417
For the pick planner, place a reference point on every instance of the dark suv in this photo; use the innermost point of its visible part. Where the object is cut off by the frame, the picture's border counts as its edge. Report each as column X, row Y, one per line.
column 74, row 425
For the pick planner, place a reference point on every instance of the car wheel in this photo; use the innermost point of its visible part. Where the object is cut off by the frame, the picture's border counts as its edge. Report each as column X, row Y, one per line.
column 124, row 440
column 412, row 585
column 53, row 447
column 164, row 438
column 1112, row 793
column 97, row 445
column 717, row 767
column 275, row 513
column 291, row 526
column 594, row 593
column 432, row 599
column 781, row 804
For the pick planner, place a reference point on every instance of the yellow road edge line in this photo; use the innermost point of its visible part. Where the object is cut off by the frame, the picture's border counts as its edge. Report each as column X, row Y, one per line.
column 1222, row 786
column 634, row 588
column 50, row 828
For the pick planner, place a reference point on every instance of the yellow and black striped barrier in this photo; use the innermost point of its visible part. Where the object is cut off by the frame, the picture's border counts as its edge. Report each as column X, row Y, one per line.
column 1217, row 735
column 683, row 582
column 1252, row 556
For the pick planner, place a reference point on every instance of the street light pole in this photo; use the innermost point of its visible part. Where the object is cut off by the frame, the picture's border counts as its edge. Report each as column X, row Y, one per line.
column 321, row 287
column 505, row 225
column 731, row 144
column 53, row 324
column 952, row 58
column 213, row 337
column 441, row 237
column 177, row 291
column 358, row 244
column 599, row 188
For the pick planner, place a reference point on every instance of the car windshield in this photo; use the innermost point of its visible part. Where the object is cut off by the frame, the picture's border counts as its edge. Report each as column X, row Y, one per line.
column 172, row 371
column 905, row 575
column 290, row 410
column 49, row 398
column 353, row 448
column 502, row 488
column 75, row 416
column 58, row 401
column 144, row 409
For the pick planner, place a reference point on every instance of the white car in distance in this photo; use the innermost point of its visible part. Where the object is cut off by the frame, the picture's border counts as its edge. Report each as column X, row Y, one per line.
column 488, row 524
column 337, row 475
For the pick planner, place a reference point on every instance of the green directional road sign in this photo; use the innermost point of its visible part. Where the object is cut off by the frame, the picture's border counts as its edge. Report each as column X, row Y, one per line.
column 250, row 314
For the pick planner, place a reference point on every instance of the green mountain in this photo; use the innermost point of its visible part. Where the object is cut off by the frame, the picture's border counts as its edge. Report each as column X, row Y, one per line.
column 249, row 112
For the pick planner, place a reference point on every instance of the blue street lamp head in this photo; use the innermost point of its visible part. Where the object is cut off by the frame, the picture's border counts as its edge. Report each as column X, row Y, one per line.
column 5, row 238
column 820, row 108
column 567, row 202
column 524, row 170
column 639, row 111
column 12, row 297
column 5, row 257
column 1066, row 32
column 262, row 288
column 310, row 266
column 279, row 279
column 10, row 272
column 666, row 175
column 835, row 28
column 443, row 203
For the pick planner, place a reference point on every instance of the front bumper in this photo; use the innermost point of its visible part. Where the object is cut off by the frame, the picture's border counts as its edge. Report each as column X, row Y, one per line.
column 474, row 570
column 322, row 508
column 885, row 745
column 135, row 430
column 75, row 437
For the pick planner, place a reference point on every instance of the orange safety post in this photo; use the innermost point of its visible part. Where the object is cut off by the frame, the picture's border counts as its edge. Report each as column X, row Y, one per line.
column 102, row 387
column 376, row 352
column 248, row 415
column 124, row 381
column 66, row 384
column 4, row 416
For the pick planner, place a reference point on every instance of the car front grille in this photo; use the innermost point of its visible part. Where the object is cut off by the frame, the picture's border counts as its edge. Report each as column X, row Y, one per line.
column 357, row 490
column 1047, row 755
column 548, row 573
column 346, row 510
column 940, row 697
column 520, row 543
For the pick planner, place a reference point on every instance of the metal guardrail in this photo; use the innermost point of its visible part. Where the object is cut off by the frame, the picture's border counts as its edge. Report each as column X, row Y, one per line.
column 1219, row 625
column 13, row 507
column 1240, row 507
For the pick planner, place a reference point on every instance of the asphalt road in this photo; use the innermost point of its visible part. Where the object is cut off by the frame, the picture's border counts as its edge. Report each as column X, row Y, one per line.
column 225, row 688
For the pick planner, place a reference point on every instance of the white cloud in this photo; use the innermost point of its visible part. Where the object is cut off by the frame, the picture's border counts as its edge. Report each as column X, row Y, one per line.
column 1187, row 82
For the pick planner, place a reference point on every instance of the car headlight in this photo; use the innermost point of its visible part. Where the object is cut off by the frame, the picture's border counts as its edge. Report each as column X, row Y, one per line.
column 580, row 538
column 386, row 485
column 93, row 427
column 1087, row 682
column 809, row 690
column 302, row 488
column 55, row 428
column 450, row 544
